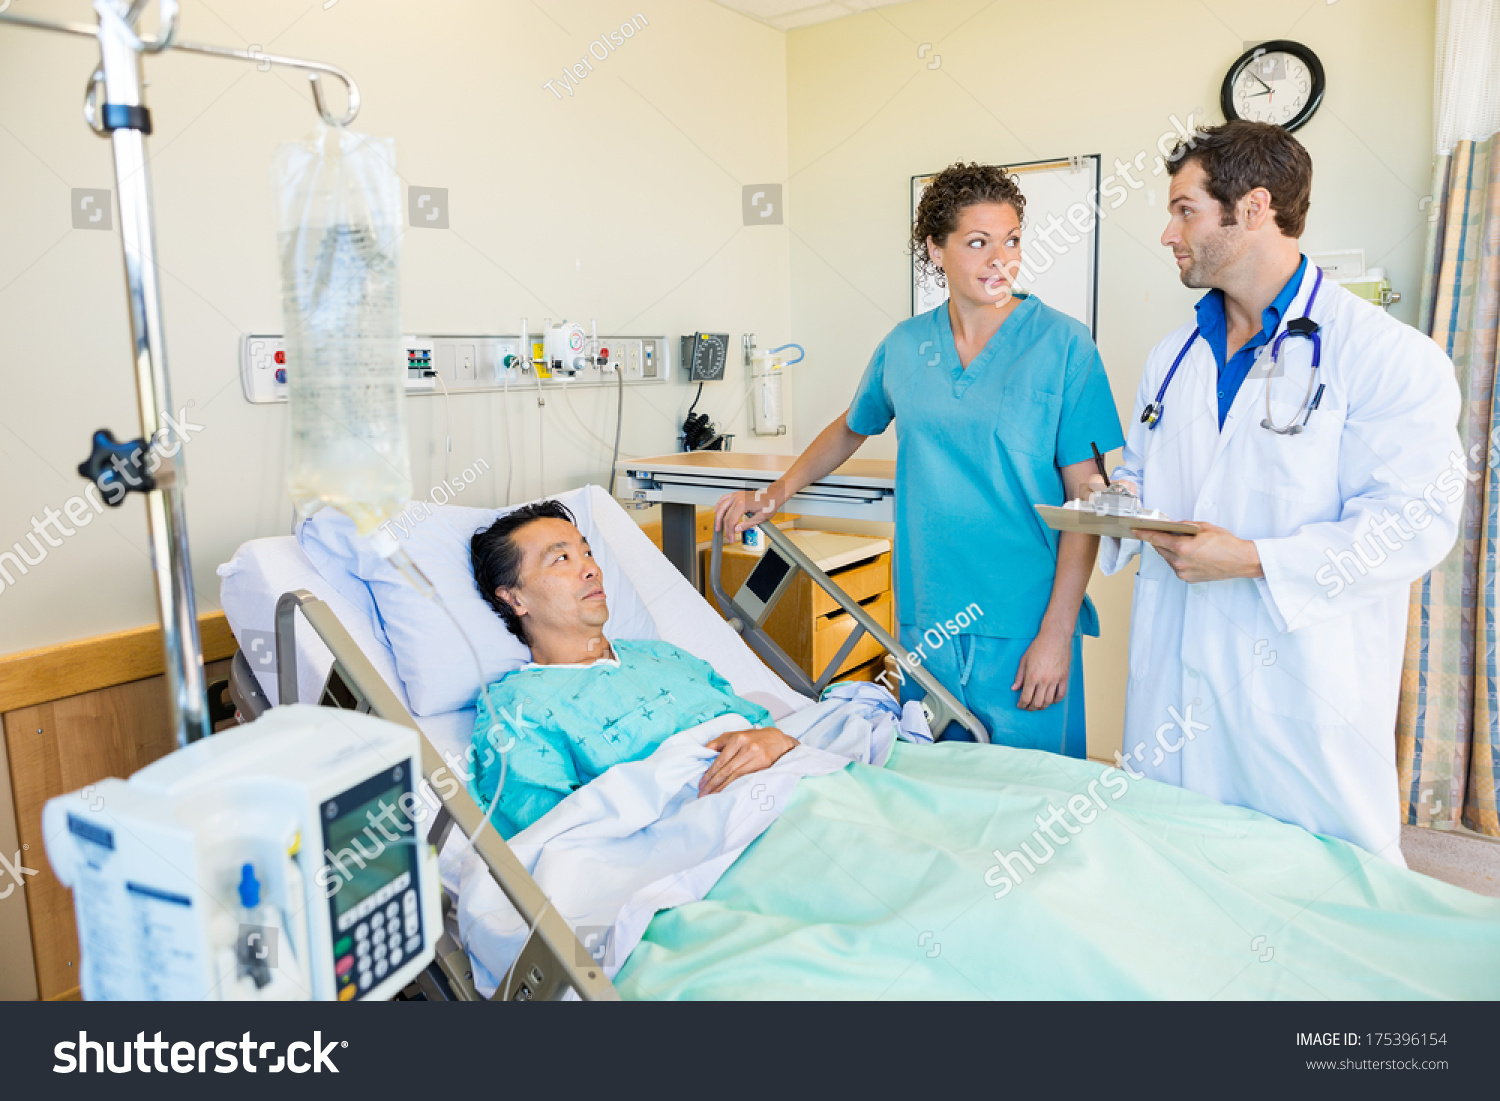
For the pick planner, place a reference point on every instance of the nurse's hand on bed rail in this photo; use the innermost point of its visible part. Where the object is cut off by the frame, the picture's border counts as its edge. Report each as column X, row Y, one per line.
column 730, row 514
column 742, row 752
column 830, row 450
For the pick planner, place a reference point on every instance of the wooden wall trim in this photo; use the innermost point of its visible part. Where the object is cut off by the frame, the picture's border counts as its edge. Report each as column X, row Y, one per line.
column 17, row 960
column 31, row 677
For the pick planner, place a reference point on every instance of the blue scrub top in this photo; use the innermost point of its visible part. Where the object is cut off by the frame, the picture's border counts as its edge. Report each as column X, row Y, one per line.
column 976, row 448
column 1215, row 330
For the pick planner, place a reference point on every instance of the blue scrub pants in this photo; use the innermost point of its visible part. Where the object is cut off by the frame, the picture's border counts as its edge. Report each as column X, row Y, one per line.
column 979, row 672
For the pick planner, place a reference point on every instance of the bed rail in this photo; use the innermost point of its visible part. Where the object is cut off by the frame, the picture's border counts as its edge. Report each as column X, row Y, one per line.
column 749, row 607
column 552, row 960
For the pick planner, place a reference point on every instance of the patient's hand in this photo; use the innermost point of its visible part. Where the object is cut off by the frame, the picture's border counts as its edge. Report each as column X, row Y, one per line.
column 742, row 752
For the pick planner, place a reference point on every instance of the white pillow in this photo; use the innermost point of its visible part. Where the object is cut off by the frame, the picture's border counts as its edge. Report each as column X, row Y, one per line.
column 332, row 545
column 434, row 664
column 260, row 571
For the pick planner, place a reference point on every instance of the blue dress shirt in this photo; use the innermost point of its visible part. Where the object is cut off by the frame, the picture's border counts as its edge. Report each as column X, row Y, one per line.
column 1215, row 330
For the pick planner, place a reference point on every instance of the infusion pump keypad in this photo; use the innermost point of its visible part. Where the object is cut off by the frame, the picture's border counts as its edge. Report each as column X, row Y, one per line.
column 376, row 936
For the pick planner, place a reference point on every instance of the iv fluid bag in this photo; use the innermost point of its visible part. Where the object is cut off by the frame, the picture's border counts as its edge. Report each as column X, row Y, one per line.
column 338, row 220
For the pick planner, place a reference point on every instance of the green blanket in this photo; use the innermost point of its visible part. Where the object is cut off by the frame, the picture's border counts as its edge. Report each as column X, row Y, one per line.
column 882, row 883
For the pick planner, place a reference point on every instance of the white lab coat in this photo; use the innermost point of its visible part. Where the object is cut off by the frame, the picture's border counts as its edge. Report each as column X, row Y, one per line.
column 1293, row 679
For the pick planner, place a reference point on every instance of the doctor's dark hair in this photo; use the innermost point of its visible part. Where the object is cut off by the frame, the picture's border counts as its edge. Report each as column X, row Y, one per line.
column 955, row 187
column 1242, row 155
column 497, row 556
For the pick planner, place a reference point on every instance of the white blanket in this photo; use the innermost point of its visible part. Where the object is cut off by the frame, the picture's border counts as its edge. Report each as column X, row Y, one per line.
column 639, row 839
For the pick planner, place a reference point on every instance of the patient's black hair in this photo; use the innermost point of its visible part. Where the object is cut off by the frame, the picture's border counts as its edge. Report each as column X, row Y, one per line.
column 497, row 556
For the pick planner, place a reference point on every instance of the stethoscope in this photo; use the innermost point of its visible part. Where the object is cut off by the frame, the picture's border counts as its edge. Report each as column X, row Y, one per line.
column 1297, row 326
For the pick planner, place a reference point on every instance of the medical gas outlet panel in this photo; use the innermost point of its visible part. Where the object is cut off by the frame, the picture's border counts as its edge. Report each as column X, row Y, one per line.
column 472, row 364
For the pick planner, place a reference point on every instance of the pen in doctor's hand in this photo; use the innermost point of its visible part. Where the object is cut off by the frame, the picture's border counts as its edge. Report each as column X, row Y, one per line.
column 1099, row 462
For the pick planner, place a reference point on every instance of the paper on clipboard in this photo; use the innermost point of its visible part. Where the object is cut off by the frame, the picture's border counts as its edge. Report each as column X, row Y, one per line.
column 1092, row 522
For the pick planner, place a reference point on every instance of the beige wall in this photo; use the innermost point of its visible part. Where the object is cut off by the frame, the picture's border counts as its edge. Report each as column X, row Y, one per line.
column 1023, row 82
column 621, row 202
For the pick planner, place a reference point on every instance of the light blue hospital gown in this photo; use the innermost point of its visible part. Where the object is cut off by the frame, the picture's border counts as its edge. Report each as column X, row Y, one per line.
column 976, row 448
column 571, row 722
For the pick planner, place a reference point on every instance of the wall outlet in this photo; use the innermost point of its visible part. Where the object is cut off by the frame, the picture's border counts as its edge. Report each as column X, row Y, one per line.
column 456, row 361
column 263, row 368
column 654, row 360
column 466, row 364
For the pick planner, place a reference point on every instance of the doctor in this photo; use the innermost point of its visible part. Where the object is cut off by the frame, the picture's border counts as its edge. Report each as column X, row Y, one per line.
column 1312, row 437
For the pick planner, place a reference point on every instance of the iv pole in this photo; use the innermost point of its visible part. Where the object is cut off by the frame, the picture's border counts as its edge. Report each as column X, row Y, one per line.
column 120, row 113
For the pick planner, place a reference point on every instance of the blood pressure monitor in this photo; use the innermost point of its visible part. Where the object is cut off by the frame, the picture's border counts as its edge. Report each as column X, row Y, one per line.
column 704, row 355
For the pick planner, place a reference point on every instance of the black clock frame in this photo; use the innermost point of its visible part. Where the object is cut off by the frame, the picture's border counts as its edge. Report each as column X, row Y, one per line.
column 1280, row 45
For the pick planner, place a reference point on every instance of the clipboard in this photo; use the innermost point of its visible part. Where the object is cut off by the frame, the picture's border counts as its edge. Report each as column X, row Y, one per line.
column 1090, row 522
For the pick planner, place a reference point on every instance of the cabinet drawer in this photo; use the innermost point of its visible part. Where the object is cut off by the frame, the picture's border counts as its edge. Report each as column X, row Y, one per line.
column 861, row 581
column 830, row 632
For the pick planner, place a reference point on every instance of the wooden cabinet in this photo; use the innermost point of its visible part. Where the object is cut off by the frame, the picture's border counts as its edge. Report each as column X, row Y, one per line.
column 807, row 623
column 705, row 518
column 73, row 714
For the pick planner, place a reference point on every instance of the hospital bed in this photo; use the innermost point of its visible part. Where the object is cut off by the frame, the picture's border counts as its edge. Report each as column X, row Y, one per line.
column 336, row 660
column 862, row 889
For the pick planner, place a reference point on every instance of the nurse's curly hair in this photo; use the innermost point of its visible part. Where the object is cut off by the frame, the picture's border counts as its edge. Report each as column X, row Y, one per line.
column 497, row 556
column 955, row 187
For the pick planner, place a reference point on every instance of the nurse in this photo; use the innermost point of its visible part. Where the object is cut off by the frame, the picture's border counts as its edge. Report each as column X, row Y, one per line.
column 997, row 399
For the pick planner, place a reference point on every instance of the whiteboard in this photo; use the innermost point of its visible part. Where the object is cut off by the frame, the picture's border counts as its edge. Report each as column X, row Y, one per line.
column 1065, row 276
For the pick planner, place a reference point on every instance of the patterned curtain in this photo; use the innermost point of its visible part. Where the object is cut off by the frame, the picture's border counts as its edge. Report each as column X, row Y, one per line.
column 1448, row 729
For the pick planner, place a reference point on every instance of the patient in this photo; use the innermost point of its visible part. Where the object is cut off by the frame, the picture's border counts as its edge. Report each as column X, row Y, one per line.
column 585, row 703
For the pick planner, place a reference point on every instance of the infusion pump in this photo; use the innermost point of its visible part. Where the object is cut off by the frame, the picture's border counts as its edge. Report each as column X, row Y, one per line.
column 283, row 859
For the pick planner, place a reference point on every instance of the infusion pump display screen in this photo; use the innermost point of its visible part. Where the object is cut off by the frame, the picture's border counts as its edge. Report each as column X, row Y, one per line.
column 370, row 852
